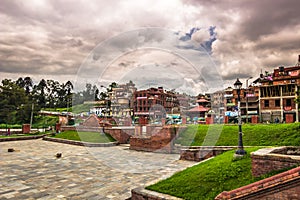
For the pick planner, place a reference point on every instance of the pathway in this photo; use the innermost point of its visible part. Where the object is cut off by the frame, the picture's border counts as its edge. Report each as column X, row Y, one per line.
column 34, row 172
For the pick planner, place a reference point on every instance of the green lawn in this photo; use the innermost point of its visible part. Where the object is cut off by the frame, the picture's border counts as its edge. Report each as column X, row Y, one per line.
column 94, row 137
column 253, row 135
column 208, row 179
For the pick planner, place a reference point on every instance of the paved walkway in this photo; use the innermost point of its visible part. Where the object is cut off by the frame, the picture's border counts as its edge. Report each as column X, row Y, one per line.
column 33, row 171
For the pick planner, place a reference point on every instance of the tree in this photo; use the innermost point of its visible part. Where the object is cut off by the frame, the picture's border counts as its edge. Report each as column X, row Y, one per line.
column 13, row 101
column 111, row 86
column 69, row 87
column 97, row 95
column 20, row 82
column 28, row 84
column 41, row 88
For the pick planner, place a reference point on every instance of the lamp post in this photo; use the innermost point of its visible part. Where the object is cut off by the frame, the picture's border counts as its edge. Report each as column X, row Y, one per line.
column 106, row 99
column 247, row 97
column 240, row 151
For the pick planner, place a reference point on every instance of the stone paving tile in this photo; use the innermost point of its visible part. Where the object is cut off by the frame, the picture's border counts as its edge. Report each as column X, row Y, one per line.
column 107, row 173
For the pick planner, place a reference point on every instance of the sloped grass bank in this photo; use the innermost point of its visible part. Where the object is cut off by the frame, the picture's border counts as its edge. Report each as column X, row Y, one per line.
column 94, row 137
column 253, row 135
column 208, row 179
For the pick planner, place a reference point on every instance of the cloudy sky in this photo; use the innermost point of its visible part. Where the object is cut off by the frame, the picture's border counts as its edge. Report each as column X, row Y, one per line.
column 52, row 39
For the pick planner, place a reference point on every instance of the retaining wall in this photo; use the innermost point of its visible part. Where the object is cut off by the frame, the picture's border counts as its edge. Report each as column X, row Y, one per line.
column 271, row 159
column 284, row 186
column 203, row 152
column 162, row 139
column 121, row 134
column 21, row 138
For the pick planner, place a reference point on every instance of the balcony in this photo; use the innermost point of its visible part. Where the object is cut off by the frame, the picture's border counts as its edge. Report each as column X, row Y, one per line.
column 228, row 95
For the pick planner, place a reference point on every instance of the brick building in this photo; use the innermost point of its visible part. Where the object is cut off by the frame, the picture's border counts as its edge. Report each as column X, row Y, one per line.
column 154, row 103
column 277, row 94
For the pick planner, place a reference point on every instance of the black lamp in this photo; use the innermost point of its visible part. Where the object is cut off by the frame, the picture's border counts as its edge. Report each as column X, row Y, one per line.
column 240, row 151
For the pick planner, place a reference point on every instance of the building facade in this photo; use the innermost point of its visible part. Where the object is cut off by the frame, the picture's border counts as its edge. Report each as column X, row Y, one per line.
column 121, row 100
column 277, row 94
column 155, row 103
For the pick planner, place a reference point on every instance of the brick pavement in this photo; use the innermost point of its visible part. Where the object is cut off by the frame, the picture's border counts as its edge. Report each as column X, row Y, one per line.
column 34, row 172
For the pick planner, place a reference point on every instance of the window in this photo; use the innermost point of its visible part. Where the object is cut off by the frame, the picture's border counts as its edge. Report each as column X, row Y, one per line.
column 266, row 103
column 277, row 103
column 289, row 102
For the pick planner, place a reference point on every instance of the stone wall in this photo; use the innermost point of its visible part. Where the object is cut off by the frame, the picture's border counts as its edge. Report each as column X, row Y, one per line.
column 201, row 153
column 270, row 159
column 161, row 139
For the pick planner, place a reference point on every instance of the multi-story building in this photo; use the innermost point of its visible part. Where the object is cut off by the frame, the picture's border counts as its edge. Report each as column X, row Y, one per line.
column 217, row 103
column 121, row 100
column 183, row 100
column 277, row 94
column 249, row 102
column 154, row 103
column 229, row 100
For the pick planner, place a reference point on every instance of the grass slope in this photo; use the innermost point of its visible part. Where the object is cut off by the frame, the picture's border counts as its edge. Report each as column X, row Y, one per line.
column 208, row 179
column 94, row 137
column 253, row 135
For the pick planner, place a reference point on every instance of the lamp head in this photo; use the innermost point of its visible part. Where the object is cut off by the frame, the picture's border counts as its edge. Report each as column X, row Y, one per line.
column 238, row 84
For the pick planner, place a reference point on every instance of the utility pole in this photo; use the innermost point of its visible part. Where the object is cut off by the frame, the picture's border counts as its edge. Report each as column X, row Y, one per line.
column 247, row 98
column 31, row 117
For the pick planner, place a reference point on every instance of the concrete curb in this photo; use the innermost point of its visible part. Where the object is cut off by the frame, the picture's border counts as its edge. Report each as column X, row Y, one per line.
column 142, row 193
column 80, row 143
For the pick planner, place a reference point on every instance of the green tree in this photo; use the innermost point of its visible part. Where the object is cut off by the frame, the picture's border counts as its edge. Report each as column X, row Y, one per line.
column 28, row 84
column 13, row 101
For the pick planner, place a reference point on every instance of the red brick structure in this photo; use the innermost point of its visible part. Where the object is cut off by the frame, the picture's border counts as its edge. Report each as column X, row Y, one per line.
column 277, row 94
column 184, row 120
column 26, row 128
column 58, row 127
column 121, row 134
column 155, row 102
column 226, row 118
column 284, row 186
column 162, row 141
column 209, row 120
column 267, row 160
column 143, row 120
column 92, row 121
column 254, row 119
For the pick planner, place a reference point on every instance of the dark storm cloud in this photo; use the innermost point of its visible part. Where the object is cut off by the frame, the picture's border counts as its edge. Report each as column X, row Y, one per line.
column 258, row 18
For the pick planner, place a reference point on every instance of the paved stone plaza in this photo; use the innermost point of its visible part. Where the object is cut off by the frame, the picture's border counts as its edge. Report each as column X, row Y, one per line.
column 33, row 171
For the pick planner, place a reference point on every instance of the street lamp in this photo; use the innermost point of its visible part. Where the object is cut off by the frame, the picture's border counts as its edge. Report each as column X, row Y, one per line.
column 107, row 109
column 247, row 97
column 240, row 151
